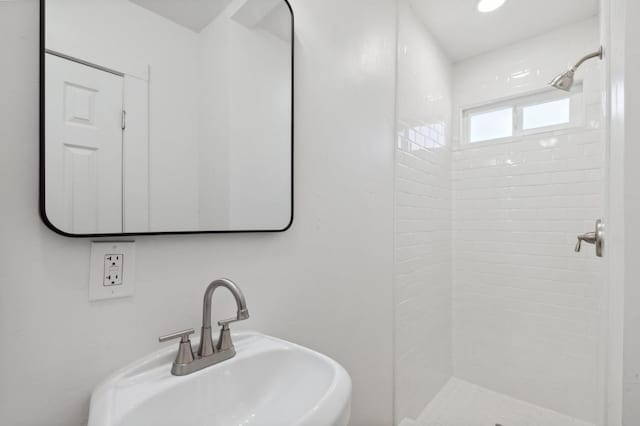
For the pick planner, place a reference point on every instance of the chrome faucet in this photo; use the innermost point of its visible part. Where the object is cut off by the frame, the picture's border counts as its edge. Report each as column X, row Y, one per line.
column 208, row 352
column 224, row 342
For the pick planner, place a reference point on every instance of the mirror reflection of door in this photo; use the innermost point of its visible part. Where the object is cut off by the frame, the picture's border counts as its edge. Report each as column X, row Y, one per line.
column 207, row 90
column 84, row 127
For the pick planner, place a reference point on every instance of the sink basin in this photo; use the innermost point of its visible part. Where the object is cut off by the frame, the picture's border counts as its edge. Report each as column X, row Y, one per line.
column 270, row 382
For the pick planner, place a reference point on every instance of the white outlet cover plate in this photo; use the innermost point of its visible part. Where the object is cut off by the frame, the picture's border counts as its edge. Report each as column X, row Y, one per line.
column 97, row 289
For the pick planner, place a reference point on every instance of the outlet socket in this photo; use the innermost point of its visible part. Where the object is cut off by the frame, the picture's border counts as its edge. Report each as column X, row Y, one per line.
column 112, row 270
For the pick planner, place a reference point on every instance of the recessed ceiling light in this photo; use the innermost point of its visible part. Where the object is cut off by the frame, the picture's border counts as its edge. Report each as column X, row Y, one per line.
column 485, row 6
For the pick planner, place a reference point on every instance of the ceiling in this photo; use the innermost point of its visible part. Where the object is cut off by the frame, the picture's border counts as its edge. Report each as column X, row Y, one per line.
column 464, row 32
column 192, row 14
column 272, row 16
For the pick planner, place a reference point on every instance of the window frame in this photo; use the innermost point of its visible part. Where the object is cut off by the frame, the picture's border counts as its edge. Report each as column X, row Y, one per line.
column 517, row 104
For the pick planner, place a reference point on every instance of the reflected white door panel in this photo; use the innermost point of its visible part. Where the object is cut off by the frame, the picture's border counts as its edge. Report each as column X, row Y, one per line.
column 83, row 147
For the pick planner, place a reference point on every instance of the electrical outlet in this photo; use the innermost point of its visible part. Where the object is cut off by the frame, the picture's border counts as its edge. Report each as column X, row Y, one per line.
column 112, row 270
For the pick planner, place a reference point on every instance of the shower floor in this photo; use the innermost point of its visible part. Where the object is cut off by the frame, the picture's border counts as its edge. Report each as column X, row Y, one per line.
column 461, row 403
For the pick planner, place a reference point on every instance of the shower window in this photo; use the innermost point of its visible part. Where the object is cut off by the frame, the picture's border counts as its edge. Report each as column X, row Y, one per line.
column 546, row 114
column 487, row 125
column 546, row 111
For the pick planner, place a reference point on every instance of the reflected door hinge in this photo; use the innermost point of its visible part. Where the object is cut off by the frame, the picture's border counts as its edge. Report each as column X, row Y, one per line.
column 124, row 119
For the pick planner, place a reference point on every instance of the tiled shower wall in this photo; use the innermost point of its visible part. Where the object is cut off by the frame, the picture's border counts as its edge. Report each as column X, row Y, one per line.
column 423, row 284
column 528, row 311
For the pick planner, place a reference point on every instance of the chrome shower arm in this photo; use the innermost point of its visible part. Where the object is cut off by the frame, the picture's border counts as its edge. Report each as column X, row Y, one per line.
column 598, row 54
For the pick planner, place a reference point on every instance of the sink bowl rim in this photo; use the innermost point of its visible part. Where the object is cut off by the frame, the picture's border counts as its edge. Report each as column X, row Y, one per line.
column 335, row 400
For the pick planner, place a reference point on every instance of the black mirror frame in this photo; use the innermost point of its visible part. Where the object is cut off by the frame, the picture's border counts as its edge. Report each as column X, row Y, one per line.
column 42, row 207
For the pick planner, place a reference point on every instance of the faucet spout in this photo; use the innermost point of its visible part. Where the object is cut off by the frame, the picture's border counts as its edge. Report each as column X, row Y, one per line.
column 206, row 341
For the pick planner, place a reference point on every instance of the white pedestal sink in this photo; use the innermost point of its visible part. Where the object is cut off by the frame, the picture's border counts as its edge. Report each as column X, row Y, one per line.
column 270, row 382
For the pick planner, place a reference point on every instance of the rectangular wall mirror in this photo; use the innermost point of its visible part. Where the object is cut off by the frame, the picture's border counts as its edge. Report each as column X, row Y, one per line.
column 166, row 116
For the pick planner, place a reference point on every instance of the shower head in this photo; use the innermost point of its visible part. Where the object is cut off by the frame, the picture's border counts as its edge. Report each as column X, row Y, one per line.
column 564, row 81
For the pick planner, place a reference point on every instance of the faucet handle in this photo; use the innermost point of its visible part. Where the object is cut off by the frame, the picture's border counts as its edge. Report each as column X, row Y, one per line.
column 596, row 238
column 183, row 335
column 242, row 315
column 185, row 351
column 224, row 341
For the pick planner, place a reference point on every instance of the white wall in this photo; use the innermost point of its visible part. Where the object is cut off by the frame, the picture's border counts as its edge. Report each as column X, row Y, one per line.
column 214, row 134
column 423, row 283
column 613, row 22
column 245, row 126
column 631, row 99
column 326, row 283
column 529, row 313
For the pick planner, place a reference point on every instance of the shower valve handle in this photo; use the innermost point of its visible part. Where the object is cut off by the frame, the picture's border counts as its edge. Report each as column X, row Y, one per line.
column 596, row 237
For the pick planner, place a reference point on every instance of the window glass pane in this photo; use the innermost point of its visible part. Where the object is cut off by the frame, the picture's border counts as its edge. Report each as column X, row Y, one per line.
column 546, row 114
column 491, row 125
